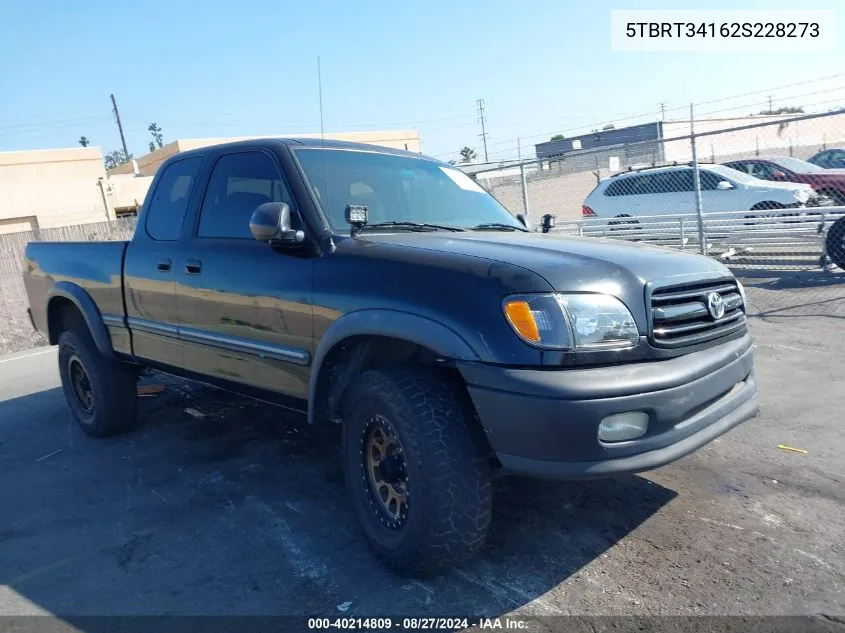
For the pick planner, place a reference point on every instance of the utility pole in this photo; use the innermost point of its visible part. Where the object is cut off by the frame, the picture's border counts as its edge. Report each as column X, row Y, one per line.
column 119, row 127
column 482, row 119
column 696, row 181
column 770, row 104
column 662, row 111
column 522, row 180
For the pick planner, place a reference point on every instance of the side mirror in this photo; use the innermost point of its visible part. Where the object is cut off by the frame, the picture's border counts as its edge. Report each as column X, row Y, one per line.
column 548, row 223
column 778, row 175
column 724, row 185
column 525, row 221
column 271, row 223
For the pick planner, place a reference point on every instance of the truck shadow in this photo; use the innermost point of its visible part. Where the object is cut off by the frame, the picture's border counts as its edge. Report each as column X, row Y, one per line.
column 222, row 506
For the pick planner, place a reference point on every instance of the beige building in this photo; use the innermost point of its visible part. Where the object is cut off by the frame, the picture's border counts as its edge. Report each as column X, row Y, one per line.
column 45, row 188
column 149, row 163
column 62, row 187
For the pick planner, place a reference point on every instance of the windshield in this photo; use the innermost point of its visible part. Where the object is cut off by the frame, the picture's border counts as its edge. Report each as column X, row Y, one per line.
column 734, row 174
column 797, row 165
column 397, row 189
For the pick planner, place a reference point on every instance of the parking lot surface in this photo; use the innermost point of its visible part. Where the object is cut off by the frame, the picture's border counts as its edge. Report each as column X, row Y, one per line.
column 220, row 505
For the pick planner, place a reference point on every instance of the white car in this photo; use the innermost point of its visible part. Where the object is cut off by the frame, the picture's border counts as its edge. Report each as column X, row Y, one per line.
column 670, row 191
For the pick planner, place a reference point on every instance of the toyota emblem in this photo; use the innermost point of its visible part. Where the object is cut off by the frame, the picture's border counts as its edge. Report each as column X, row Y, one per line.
column 715, row 305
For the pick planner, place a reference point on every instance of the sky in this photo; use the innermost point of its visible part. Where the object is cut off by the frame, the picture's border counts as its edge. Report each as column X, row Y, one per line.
column 249, row 67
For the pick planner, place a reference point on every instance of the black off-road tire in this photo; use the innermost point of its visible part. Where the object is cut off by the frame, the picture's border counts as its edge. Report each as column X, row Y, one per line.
column 449, row 502
column 113, row 390
column 834, row 243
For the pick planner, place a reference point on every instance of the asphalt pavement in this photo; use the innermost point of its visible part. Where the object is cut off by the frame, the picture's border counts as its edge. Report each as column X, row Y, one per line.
column 218, row 505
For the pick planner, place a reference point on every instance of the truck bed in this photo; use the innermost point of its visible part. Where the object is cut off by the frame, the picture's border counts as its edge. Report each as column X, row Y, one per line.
column 96, row 267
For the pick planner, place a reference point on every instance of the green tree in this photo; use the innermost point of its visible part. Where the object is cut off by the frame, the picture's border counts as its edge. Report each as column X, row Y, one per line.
column 116, row 158
column 158, row 137
column 83, row 140
column 785, row 110
column 558, row 137
column 467, row 154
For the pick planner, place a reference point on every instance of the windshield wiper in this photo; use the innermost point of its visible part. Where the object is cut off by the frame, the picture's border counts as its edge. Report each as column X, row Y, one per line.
column 411, row 226
column 495, row 226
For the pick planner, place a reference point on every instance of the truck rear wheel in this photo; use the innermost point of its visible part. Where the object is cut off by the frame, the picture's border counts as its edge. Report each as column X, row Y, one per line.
column 417, row 469
column 101, row 392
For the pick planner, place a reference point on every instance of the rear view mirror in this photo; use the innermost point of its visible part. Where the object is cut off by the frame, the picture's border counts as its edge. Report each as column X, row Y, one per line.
column 271, row 223
column 724, row 185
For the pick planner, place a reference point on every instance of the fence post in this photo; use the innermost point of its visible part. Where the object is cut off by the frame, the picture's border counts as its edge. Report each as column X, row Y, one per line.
column 683, row 236
column 522, row 180
column 696, row 180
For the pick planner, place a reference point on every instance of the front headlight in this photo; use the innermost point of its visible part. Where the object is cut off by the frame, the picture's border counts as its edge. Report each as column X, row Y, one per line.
column 567, row 321
column 802, row 195
column 741, row 289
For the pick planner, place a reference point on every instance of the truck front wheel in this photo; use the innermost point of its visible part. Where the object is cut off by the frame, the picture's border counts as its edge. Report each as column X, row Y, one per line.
column 417, row 469
column 101, row 392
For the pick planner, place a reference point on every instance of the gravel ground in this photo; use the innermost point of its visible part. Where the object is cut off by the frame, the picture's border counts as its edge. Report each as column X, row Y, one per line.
column 234, row 508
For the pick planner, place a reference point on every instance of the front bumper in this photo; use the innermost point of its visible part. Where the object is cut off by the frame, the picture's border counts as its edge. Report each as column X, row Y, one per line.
column 545, row 423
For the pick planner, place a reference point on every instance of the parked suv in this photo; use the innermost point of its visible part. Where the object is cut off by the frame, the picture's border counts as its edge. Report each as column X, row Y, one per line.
column 670, row 190
column 829, row 183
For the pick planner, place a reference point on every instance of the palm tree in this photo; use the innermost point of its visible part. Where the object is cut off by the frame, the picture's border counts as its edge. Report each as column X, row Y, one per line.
column 467, row 154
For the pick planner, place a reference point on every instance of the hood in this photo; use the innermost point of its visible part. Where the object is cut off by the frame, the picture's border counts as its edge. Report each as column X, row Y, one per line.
column 828, row 175
column 567, row 263
column 788, row 186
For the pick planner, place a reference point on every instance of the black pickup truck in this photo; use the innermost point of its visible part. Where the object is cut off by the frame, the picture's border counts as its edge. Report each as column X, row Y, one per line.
column 389, row 293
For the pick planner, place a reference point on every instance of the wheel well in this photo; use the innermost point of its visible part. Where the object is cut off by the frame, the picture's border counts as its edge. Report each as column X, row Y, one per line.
column 766, row 205
column 354, row 355
column 62, row 315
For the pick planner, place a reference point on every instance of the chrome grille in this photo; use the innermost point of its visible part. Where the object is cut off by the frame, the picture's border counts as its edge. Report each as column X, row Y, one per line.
column 683, row 314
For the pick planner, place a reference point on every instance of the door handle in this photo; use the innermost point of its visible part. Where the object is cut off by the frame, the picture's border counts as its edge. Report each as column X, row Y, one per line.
column 164, row 265
column 193, row 266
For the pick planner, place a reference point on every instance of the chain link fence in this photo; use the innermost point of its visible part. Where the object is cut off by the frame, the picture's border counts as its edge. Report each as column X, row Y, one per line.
column 763, row 194
column 17, row 333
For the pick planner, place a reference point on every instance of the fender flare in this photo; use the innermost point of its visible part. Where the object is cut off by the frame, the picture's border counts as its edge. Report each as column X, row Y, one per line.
column 393, row 323
column 86, row 306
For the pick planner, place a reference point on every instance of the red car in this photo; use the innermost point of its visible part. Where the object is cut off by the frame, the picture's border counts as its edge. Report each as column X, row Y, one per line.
column 827, row 182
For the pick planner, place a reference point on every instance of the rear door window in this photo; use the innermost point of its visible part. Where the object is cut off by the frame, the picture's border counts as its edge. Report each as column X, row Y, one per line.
column 166, row 210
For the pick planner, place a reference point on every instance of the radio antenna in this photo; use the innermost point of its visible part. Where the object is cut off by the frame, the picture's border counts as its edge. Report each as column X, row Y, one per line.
column 320, row 89
column 327, row 205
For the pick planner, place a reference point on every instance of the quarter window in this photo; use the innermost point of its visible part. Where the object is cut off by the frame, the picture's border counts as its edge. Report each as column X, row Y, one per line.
column 166, row 210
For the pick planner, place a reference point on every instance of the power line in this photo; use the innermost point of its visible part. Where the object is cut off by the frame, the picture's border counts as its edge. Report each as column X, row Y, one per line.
column 512, row 142
column 50, row 124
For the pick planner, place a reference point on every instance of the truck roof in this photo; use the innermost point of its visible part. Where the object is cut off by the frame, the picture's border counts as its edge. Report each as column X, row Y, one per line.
column 305, row 142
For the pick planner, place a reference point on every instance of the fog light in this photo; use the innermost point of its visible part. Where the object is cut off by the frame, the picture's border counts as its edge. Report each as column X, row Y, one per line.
column 623, row 426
